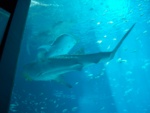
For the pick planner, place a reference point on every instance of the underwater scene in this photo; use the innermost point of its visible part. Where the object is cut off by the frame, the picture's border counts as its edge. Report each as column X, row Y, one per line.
column 84, row 56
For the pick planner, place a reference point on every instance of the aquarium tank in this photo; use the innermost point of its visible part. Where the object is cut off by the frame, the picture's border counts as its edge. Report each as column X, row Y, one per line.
column 84, row 56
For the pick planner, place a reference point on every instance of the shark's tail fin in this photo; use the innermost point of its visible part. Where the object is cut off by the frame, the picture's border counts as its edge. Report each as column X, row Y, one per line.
column 121, row 41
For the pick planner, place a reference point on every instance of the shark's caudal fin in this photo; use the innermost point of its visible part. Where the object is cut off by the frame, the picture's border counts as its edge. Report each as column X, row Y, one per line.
column 121, row 41
column 61, row 46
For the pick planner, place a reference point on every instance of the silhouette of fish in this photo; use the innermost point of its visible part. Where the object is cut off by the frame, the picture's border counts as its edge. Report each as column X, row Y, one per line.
column 53, row 67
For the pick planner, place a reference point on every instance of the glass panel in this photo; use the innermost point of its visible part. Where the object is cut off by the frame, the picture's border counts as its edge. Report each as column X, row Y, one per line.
column 84, row 56
column 4, row 17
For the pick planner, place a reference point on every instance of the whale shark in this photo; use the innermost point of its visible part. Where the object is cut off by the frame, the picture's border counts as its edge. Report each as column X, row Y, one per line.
column 54, row 67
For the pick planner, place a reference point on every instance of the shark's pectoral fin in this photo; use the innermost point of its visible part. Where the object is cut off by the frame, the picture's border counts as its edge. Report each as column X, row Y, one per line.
column 62, row 81
column 67, row 84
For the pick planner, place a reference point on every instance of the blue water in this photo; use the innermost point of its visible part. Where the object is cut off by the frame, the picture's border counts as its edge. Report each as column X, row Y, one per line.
column 121, row 85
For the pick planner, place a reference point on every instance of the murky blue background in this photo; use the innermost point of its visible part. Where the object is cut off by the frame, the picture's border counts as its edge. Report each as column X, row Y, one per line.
column 121, row 85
